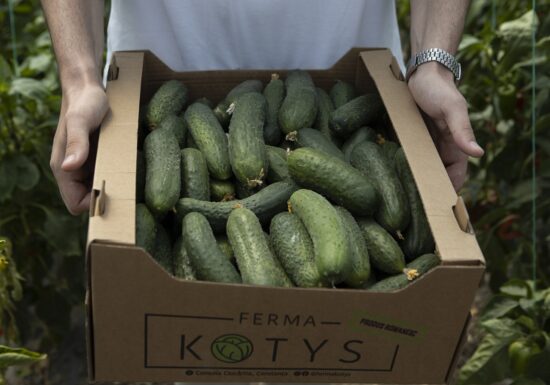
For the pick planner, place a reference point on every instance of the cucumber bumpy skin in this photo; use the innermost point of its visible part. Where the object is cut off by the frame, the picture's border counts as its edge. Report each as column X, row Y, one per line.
column 385, row 254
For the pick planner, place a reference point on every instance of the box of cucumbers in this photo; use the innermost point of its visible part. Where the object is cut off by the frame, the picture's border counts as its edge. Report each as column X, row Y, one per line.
column 268, row 198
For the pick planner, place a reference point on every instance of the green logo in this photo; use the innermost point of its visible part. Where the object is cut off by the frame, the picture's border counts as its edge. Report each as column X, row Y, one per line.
column 231, row 348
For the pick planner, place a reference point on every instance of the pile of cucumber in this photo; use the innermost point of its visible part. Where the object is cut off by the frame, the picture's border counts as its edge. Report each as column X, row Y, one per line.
column 283, row 185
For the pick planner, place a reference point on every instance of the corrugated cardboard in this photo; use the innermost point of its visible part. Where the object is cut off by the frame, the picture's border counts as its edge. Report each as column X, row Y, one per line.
column 144, row 325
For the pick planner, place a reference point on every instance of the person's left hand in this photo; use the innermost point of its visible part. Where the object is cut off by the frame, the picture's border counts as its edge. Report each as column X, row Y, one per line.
column 432, row 87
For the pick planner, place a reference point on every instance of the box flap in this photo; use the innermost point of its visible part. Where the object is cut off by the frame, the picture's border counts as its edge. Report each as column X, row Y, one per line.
column 437, row 192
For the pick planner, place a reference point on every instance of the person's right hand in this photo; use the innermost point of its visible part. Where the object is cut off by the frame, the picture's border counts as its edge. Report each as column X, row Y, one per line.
column 82, row 110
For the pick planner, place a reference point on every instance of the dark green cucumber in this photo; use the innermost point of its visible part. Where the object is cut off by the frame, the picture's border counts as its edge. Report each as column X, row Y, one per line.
column 394, row 212
column 195, row 182
column 354, row 114
column 207, row 102
column 256, row 262
column 361, row 135
column 146, row 228
column 169, row 99
column 222, row 190
column 208, row 261
column 191, row 143
column 274, row 93
column 330, row 238
column 246, row 140
column 265, row 204
column 341, row 93
column 243, row 191
column 176, row 125
column 385, row 254
column 418, row 236
column 294, row 249
column 299, row 107
column 322, row 123
column 162, row 252
column 162, row 176
column 414, row 269
column 182, row 264
column 390, row 149
column 140, row 177
column 221, row 110
column 309, row 137
column 333, row 178
column 278, row 166
column 210, row 139
column 360, row 266
column 225, row 246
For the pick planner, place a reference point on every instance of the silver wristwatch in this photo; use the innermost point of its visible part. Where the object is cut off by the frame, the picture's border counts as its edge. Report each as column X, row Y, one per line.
column 438, row 55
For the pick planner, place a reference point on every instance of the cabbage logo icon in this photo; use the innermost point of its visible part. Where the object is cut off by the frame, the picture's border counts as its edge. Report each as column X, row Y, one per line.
column 231, row 348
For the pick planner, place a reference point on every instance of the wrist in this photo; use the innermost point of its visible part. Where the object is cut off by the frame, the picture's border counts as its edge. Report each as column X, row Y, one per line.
column 433, row 69
column 79, row 76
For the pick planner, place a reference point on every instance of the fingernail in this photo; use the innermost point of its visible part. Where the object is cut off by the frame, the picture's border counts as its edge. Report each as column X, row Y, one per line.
column 69, row 159
column 476, row 147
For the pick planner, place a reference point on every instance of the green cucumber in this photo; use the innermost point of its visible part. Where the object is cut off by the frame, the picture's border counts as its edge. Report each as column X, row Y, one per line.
column 207, row 102
column 225, row 246
column 299, row 107
column 243, row 191
column 162, row 176
column 333, row 178
column 140, row 177
column 256, row 262
column 390, row 148
column 294, row 249
column 176, row 125
column 222, row 190
column 221, row 110
column 354, row 114
column 385, row 254
column 414, row 269
column 162, row 252
column 394, row 211
column 360, row 267
column 418, row 236
column 194, row 175
column 330, row 238
column 309, row 137
column 208, row 261
column 210, row 139
column 246, row 141
column 322, row 123
column 265, row 204
column 341, row 93
column 274, row 93
column 169, row 99
column 191, row 143
column 146, row 228
column 278, row 166
column 182, row 264
column 361, row 135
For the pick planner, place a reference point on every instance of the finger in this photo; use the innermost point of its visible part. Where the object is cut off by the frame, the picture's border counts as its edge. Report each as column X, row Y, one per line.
column 458, row 122
column 74, row 190
column 457, row 173
column 77, row 145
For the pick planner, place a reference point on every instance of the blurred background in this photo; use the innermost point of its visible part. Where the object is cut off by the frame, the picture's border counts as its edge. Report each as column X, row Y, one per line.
column 42, row 245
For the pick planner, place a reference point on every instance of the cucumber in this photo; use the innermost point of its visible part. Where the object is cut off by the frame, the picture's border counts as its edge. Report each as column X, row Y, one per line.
column 274, row 93
column 256, row 262
column 360, row 267
column 356, row 113
column 418, row 236
column 220, row 111
column 208, row 261
column 176, row 125
column 169, row 99
column 294, row 249
column 265, row 204
column 309, row 137
column 278, row 166
column 223, row 244
column 299, row 107
column 361, row 135
column 146, row 228
column 246, row 141
column 210, row 139
column 385, row 254
column 182, row 264
column 322, row 123
column 222, row 190
column 140, row 177
column 390, row 148
column 162, row 252
column 191, row 143
column 330, row 238
column 162, row 177
column 341, row 93
column 414, row 269
column 207, row 102
column 194, row 175
column 333, row 178
column 394, row 212
column 243, row 191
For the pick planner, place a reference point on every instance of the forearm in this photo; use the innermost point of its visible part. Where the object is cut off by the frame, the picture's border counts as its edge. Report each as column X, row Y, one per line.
column 437, row 24
column 76, row 28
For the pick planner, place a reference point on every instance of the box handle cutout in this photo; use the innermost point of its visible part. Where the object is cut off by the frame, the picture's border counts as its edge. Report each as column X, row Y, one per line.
column 462, row 217
column 396, row 70
column 97, row 201
column 112, row 73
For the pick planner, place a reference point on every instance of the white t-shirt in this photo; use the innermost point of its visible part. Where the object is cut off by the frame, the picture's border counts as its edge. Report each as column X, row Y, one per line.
column 259, row 34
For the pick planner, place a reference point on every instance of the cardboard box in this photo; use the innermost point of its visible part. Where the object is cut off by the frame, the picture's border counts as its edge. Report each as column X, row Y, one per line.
column 144, row 325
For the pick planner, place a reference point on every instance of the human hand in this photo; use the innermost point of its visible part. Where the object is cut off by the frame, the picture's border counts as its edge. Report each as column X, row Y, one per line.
column 82, row 110
column 432, row 87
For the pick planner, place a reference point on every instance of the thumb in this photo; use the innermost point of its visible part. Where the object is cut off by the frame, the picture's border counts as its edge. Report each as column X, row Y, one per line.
column 77, row 147
column 456, row 118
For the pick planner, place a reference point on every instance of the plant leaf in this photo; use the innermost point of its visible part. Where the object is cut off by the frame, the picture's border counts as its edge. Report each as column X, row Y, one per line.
column 503, row 328
column 18, row 356
column 29, row 88
column 517, row 288
column 498, row 306
column 528, row 381
column 27, row 173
